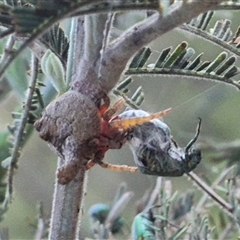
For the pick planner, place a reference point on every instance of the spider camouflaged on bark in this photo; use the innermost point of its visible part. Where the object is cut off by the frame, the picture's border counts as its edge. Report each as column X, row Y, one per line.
column 154, row 150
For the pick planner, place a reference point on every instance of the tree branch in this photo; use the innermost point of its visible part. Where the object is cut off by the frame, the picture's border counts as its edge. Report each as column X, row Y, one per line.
column 68, row 199
column 120, row 51
column 86, row 80
column 66, row 208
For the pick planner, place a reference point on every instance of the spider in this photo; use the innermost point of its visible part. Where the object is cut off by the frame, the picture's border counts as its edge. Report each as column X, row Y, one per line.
column 154, row 150
column 115, row 131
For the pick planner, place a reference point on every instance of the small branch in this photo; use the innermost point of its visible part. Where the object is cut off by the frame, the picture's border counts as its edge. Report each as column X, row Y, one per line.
column 121, row 50
column 66, row 12
column 20, row 131
column 118, row 208
column 72, row 49
column 66, row 208
column 227, row 7
column 37, row 48
column 214, row 185
column 120, row 7
column 154, row 194
column 85, row 80
column 105, row 39
column 95, row 25
column 8, row 50
column 186, row 74
column 211, row 193
column 41, row 225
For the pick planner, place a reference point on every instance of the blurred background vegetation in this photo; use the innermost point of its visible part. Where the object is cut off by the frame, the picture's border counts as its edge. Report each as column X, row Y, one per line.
column 216, row 103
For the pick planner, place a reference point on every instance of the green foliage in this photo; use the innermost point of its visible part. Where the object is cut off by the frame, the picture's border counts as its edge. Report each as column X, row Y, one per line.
column 56, row 40
column 162, row 213
column 38, row 16
column 178, row 63
column 106, row 219
column 53, row 69
column 221, row 34
column 122, row 89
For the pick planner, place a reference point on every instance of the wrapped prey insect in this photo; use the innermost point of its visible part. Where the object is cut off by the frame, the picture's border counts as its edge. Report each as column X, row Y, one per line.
column 154, row 150
column 115, row 131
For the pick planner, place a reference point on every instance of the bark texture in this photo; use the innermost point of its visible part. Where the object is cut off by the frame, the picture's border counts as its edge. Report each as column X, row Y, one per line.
column 67, row 127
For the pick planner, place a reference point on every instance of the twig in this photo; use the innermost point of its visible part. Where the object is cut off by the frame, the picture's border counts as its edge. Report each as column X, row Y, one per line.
column 219, row 200
column 4, row 235
column 122, row 49
column 68, row 199
column 118, row 208
column 71, row 51
column 67, row 12
column 217, row 182
column 45, row 26
column 154, row 194
column 7, row 50
column 20, row 130
column 67, row 208
column 41, row 226
column 186, row 74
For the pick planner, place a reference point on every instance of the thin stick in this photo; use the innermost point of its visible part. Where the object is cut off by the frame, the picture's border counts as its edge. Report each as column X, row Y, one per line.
column 219, row 200
column 20, row 131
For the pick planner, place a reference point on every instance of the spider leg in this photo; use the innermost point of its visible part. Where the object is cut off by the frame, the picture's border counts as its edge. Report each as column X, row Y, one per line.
column 118, row 168
column 113, row 167
column 106, row 103
column 99, row 155
column 106, row 113
column 90, row 164
column 131, row 122
column 189, row 145
column 111, row 111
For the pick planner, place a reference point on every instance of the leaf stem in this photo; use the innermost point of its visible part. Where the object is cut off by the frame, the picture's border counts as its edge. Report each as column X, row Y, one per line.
column 20, row 131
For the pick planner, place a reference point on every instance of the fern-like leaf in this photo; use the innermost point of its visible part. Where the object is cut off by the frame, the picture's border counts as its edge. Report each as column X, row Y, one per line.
column 18, row 132
column 45, row 14
column 179, row 63
column 220, row 34
column 135, row 100
column 57, row 41
column 229, row 5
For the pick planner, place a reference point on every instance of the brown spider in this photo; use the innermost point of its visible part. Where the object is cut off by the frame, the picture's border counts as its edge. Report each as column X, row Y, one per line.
column 114, row 133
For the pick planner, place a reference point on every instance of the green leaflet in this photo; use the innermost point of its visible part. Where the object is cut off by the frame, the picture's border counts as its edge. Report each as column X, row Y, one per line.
column 54, row 70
